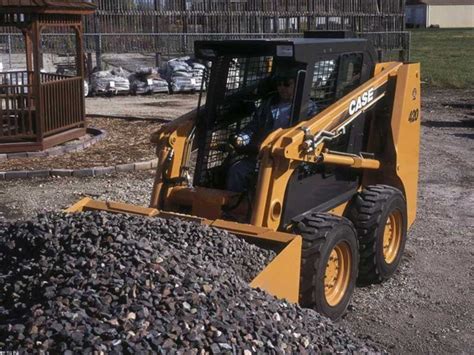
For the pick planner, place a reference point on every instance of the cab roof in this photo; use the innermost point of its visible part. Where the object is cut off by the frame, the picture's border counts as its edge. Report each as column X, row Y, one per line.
column 299, row 49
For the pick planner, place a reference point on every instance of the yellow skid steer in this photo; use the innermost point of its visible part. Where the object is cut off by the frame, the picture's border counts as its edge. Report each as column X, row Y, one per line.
column 307, row 146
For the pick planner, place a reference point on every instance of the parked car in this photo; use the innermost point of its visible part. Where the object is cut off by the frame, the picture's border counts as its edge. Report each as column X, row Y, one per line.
column 147, row 81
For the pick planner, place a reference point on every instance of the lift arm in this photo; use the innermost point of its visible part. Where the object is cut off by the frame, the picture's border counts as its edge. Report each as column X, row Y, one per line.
column 305, row 141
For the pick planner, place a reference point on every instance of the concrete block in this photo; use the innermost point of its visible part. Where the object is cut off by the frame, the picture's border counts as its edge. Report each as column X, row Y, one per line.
column 104, row 170
column 17, row 155
column 62, row 172
column 146, row 165
column 71, row 148
column 125, row 167
column 12, row 175
column 154, row 163
column 87, row 144
column 39, row 173
column 3, row 157
column 83, row 172
column 80, row 147
column 53, row 152
column 37, row 154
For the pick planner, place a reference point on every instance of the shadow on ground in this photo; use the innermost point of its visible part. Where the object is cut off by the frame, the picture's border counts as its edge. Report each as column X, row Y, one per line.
column 449, row 124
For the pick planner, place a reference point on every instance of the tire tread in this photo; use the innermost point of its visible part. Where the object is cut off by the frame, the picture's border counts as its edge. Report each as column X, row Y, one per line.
column 315, row 228
column 366, row 214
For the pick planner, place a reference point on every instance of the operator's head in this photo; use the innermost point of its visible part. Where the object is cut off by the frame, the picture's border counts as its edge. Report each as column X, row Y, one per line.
column 286, row 89
column 285, row 80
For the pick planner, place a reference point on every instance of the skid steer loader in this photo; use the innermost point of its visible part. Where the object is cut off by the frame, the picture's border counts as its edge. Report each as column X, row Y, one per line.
column 332, row 192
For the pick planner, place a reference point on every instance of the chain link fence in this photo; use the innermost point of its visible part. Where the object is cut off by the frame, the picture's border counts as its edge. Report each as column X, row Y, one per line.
column 169, row 28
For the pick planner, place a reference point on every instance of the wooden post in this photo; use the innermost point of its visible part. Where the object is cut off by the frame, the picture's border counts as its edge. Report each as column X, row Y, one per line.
column 29, row 50
column 80, row 68
column 79, row 51
column 37, row 99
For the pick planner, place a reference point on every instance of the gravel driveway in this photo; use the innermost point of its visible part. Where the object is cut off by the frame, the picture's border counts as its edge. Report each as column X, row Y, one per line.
column 428, row 305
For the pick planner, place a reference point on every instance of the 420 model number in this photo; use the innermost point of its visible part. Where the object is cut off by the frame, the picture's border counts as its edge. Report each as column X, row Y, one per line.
column 414, row 115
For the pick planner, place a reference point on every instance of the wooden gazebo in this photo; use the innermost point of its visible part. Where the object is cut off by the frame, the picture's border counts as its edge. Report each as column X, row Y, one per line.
column 40, row 110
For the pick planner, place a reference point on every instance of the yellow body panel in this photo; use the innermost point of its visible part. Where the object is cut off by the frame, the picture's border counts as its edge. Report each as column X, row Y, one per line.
column 400, row 160
column 406, row 133
column 281, row 277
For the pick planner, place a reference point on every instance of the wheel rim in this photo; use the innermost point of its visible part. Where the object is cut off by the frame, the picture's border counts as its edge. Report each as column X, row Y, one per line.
column 337, row 275
column 392, row 236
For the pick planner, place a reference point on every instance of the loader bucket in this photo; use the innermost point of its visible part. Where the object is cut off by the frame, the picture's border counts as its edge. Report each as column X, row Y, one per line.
column 280, row 278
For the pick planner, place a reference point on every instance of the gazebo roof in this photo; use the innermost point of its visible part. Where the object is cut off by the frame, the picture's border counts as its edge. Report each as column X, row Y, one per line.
column 47, row 6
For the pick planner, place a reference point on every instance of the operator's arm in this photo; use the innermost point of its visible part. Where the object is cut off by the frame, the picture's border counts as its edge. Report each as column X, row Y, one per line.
column 312, row 109
column 251, row 135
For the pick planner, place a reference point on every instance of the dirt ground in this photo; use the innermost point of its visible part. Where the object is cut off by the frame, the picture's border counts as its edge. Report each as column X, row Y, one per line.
column 427, row 307
column 125, row 142
column 161, row 106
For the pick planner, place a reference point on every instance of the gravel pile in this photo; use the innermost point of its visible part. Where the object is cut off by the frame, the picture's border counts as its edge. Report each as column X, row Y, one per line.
column 96, row 282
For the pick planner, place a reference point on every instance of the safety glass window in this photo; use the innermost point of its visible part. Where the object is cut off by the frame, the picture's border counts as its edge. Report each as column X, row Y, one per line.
column 350, row 73
column 323, row 88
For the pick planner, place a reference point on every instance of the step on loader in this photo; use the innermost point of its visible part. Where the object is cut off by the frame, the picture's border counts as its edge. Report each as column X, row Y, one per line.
column 307, row 146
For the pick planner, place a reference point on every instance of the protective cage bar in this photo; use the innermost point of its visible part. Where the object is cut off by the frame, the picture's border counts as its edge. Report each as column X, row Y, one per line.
column 244, row 83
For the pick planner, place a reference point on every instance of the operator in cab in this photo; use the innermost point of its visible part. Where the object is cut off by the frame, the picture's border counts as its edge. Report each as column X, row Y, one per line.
column 273, row 113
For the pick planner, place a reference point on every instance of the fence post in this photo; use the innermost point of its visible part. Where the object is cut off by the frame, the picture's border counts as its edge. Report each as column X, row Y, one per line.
column 98, row 42
column 89, row 65
column 156, row 41
column 9, row 51
column 408, row 47
column 158, row 60
column 380, row 55
column 98, row 51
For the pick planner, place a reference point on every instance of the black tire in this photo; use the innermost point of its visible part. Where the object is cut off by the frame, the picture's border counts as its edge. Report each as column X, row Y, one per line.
column 374, row 208
column 322, row 234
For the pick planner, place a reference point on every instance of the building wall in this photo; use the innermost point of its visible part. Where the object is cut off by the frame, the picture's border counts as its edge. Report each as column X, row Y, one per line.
column 416, row 15
column 450, row 16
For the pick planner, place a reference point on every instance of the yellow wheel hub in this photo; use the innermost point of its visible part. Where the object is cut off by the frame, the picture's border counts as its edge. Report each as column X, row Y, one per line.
column 392, row 236
column 338, row 272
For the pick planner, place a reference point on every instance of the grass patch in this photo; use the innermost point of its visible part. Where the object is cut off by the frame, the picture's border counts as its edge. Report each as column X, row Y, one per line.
column 446, row 56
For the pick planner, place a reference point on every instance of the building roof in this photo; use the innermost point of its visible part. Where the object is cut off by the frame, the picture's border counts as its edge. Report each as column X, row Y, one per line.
column 440, row 2
column 47, row 6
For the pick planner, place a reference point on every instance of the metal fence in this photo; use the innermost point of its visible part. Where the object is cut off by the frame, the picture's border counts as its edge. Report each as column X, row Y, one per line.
column 170, row 27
